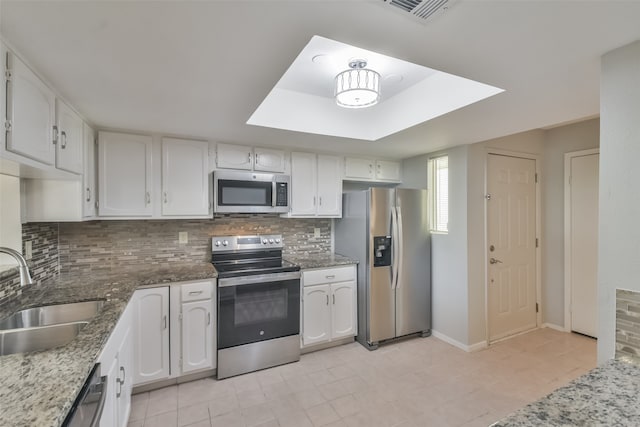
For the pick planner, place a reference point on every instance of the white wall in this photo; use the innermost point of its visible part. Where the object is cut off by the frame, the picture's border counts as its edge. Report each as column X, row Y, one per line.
column 558, row 141
column 10, row 228
column 619, row 239
column 448, row 251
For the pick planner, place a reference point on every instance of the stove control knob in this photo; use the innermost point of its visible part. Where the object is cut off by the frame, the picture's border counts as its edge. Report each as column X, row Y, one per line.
column 225, row 242
column 277, row 240
column 271, row 241
column 217, row 242
column 264, row 241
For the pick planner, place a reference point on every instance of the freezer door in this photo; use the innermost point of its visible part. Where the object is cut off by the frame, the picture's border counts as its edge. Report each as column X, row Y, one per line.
column 381, row 304
column 413, row 290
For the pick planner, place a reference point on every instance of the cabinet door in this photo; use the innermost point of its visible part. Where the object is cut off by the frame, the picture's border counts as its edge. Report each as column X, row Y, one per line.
column 125, row 174
column 329, row 186
column 316, row 313
column 31, row 111
column 89, row 172
column 234, row 157
column 125, row 382
column 343, row 309
column 151, row 327
column 185, row 177
column 269, row 160
column 358, row 168
column 303, row 184
column 70, row 138
column 197, row 332
column 387, row 170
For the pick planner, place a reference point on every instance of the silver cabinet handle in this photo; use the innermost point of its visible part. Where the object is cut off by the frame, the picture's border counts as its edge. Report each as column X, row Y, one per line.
column 55, row 135
column 88, row 194
column 327, row 299
column 64, row 140
column 249, row 157
column 165, row 196
column 124, row 374
column 195, row 292
column 148, row 197
column 494, row 261
column 320, row 198
column 209, row 318
column 314, row 200
column 334, row 299
column 257, row 158
column 120, row 381
column 331, row 276
column 164, row 322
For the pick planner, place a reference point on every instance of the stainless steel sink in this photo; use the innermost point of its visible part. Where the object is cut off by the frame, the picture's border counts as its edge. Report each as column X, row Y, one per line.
column 52, row 315
column 38, row 338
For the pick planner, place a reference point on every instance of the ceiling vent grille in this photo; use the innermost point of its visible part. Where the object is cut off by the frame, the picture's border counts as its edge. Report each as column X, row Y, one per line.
column 420, row 9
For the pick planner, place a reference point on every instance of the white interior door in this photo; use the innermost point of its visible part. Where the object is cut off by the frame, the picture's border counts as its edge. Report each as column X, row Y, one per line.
column 511, row 228
column 583, row 241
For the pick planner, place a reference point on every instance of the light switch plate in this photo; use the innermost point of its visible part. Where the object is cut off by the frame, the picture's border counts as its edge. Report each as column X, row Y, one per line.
column 28, row 249
column 316, row 232
column 183, row 237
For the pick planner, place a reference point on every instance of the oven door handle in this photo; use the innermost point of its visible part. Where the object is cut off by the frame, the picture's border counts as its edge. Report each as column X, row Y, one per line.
column 274, row 193
column 257, row 279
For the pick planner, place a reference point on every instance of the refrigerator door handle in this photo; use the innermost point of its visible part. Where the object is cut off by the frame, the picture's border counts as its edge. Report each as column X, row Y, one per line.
column 394, row 248
column 399, row 244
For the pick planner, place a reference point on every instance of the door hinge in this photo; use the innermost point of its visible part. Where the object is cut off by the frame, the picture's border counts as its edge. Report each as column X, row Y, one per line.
column 7, row 125
column 7, row 74
column 97, row 204
column 180, row 316
column 536, row 307
column 536, row 177
column 487, row 196
column 537, row 242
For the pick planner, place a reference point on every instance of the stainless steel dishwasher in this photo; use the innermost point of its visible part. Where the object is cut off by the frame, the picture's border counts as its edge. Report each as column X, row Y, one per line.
column 87, row 409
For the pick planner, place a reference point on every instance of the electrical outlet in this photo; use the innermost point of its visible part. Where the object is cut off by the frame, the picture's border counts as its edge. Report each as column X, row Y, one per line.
column 28, row 249
column 183, row 237
column 316, row 232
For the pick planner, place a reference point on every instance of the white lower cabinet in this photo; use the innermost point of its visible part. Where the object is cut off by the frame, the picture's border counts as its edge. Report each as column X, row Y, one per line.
column 116, row 362
column 174, row 330
column 151, row 326
column 329, row 310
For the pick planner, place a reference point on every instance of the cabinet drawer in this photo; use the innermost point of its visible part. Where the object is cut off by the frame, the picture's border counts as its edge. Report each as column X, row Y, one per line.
column 328, row 275
column 196, row 291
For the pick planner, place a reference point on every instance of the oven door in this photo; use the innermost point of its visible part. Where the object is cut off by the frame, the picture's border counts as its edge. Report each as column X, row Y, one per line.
column 257, row 308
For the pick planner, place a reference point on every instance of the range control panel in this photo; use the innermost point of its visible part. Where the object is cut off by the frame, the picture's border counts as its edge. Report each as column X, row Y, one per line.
column 231, row 243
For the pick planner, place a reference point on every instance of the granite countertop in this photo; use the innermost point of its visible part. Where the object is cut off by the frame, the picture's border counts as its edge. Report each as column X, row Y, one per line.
column 38, row 388
column 607, row 395
column 319, row 260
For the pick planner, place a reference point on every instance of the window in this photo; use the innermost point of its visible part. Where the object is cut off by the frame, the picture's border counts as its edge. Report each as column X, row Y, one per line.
column 439, row 186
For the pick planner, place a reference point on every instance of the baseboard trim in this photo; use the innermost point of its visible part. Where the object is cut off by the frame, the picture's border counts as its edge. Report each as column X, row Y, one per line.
column 468, row 348
column 554, row 327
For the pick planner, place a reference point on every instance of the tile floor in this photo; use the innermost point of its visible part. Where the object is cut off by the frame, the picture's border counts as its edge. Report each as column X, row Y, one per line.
column 417, row 382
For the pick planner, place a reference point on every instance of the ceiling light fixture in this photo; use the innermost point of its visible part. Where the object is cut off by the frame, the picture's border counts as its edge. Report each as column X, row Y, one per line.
column 357, row 87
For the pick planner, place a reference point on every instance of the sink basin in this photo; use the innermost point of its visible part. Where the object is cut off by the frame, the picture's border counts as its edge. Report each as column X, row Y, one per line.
column 39, row 338
column 52, row 315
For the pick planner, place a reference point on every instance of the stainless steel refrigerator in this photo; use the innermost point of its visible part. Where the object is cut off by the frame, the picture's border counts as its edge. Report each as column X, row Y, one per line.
column 387, row 231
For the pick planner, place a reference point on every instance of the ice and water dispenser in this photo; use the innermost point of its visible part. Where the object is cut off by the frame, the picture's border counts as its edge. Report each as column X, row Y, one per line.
column 381, row 251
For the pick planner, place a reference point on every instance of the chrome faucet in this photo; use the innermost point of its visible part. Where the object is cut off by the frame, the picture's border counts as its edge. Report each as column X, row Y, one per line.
column 25, row 277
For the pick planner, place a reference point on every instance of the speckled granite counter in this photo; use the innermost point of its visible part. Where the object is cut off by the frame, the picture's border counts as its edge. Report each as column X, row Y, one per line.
column 609, row 395
column 38, row 389
column 319, row 261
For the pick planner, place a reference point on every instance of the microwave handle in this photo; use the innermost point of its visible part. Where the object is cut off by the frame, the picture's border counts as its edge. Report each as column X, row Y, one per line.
column 273, row 193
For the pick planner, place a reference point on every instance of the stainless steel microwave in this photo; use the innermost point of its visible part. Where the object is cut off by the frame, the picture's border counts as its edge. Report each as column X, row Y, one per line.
column 250, row 192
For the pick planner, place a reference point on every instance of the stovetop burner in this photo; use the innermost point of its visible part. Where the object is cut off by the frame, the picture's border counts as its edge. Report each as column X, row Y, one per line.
column 235, row 256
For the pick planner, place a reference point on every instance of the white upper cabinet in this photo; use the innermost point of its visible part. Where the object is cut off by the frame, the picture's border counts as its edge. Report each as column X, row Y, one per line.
column 329, row 186
column 89, row 172
column 70, row 138
column 125, row 174
column 388, row 171
column 303, row 184
column 234, row 157
column 371, row 170
column 185, row 177
column 30, row 113
column 269, row 160
column 229, row 156
column 316, row 185
column 358, row 168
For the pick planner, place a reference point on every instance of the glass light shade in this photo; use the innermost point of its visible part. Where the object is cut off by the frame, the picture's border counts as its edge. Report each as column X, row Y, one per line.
column 357, row 88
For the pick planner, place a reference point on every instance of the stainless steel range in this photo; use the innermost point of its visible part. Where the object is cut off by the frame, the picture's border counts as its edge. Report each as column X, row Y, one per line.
column 258, row 304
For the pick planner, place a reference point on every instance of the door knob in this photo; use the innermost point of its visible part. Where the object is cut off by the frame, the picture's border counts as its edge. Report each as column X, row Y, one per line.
column 494, row 261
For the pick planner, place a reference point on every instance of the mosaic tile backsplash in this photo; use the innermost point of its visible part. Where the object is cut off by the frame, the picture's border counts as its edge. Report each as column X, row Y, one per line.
column 627, row 324
column 44, row 262
column 97, row 245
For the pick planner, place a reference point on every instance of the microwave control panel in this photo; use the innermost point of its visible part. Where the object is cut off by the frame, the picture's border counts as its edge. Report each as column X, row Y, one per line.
column 282, row 194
